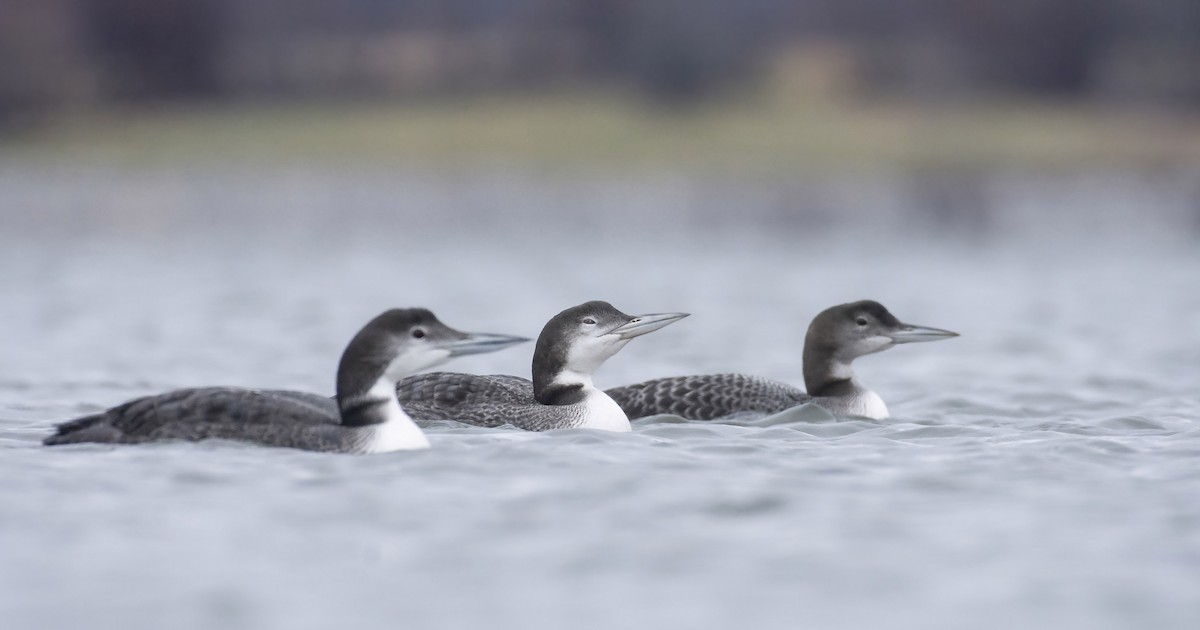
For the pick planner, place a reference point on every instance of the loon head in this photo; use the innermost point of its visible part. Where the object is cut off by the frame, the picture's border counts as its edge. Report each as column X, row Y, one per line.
column 578, row 340
column 842, row 333
column 865, row 327
column 402, row 341
column 390, row 347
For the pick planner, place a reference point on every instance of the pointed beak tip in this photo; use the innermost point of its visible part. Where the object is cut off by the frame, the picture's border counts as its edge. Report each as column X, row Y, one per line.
column 505, row 341
column 643, row 324
column 915, row 334
column 478, row 343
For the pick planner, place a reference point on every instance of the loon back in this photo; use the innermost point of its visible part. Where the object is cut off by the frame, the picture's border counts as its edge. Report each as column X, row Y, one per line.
column 495, row 400
column 267, row 417
column 455, row 390
column 706, row 397
column 530, row 417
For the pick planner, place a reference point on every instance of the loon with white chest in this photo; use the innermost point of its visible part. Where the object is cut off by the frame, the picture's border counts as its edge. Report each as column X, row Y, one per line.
column 836, row 337
column 571, row 346
column 366, row 418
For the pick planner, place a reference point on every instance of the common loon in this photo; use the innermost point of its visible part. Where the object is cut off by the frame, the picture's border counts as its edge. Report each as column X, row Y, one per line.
column 570, row 348
column 836, row 337
column 365, row 419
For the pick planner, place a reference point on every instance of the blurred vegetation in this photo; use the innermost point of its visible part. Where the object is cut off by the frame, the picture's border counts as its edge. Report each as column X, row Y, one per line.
column 56, row 53
column 773, row 132
column 753, row 83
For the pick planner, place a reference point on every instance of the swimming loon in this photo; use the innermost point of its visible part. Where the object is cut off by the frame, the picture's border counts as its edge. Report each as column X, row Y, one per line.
column 365, row 419
column 570, row 348
column 836, row 337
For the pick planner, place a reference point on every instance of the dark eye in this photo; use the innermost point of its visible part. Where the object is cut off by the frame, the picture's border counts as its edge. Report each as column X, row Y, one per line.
column 861, row 321
column 589, row 320
column 417, row 333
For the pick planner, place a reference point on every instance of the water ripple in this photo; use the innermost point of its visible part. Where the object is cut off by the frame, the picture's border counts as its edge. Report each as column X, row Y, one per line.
column 1041, row 471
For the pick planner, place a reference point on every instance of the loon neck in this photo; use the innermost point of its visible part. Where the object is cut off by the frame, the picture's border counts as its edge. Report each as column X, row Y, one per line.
column 376, row 404
column 563, row 388
column 599, row 410
column 824, row 371
column 366, row 389
column 560, row 379
column 377, row 412
column 557, row 380
column 828, row 377
column 837, row 388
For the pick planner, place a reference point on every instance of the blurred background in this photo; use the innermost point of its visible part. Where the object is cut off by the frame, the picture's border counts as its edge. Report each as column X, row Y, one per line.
column 963, row 118
column 218, row 161
column 585, row 148
column 203, row 192
column 465, row 132
column 488, row 137
column 93, row 53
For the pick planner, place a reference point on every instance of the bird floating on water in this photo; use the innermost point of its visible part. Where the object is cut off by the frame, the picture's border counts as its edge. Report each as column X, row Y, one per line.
column 365, row 418
column 837, row 336
column 571, row 346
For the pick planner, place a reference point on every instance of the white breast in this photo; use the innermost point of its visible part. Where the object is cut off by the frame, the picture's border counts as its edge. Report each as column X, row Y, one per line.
column 398, row 432
column 868, row 404
column 862, row 403
column 602, row 412
column 395, row 435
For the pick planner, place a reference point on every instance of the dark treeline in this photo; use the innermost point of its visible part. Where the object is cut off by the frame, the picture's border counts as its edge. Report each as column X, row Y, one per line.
column 86, row 52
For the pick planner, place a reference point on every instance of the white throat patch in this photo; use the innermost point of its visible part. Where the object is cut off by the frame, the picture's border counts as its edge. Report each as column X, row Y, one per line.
column 398, row 432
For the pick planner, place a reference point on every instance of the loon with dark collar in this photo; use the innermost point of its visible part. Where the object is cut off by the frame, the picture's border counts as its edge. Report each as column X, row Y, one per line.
column 365, row 418
column 570, row 348
column 836, row 337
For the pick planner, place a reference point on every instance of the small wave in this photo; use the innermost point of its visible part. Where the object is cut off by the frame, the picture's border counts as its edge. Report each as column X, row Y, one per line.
column 1132, row 423
column 909, row 432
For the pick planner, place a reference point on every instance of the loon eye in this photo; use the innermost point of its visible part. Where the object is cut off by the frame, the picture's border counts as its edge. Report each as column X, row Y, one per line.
column 861, row 321
column 589, row 320
column 418, row 333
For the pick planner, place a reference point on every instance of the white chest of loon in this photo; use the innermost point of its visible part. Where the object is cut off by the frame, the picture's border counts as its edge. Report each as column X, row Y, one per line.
column 602, row 412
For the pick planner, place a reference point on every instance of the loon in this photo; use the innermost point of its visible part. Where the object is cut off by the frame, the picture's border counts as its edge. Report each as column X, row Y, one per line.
column 365, row 418
column 837, row 336
column 569, row 349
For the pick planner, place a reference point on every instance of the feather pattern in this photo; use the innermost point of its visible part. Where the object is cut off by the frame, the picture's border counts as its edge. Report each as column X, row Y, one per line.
column 490, row 401
column 452, row 389
column 271, row 418
column 706, row 397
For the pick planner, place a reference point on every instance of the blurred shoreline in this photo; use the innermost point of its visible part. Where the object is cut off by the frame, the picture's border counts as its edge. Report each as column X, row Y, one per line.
column 615, row 165
column 338, row 206
column 769, row 134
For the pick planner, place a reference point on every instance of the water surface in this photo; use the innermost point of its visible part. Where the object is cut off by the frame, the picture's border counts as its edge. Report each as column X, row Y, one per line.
column 1040, row 471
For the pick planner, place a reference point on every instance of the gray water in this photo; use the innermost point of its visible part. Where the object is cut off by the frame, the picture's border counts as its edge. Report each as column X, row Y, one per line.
column 1041, row 471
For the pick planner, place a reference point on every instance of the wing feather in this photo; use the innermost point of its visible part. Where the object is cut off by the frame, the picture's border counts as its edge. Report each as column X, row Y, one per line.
column 706, row 397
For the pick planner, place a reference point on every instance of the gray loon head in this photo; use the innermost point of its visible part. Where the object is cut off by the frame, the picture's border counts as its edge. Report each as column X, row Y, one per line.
column 402, row 341
column 578, row 340
column 842, row 333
